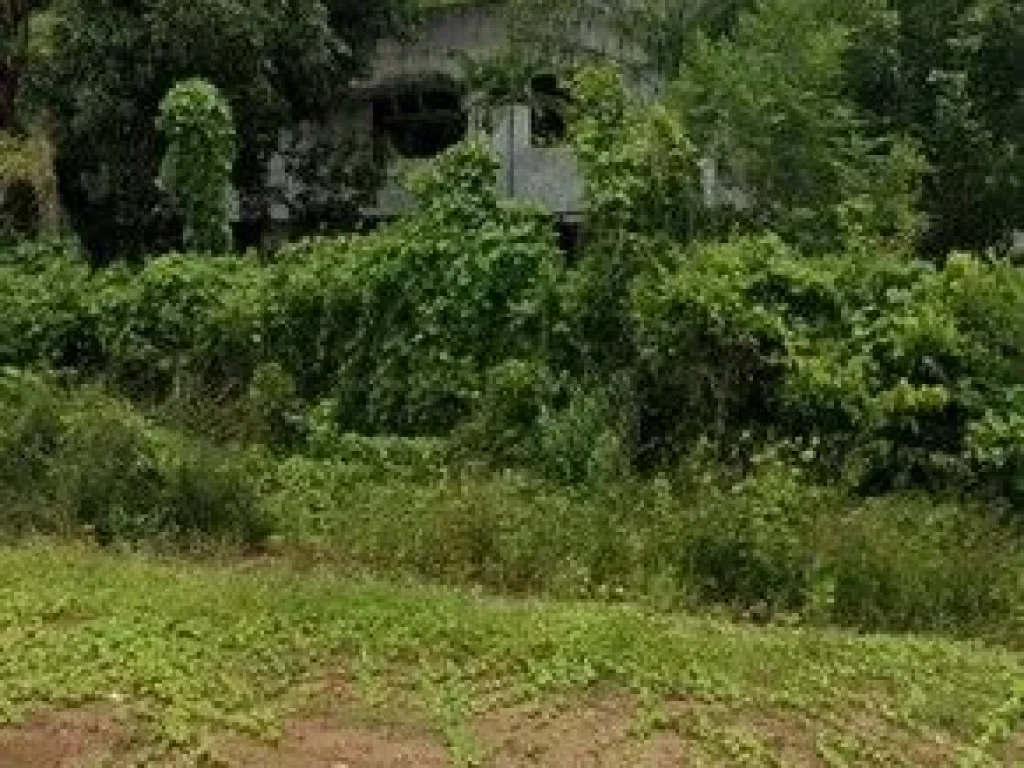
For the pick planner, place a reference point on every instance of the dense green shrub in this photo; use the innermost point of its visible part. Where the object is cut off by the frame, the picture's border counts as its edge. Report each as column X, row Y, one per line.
column 888, row 374
column 563, row 430
column 276, row 413
column 517, row 394
column 379, row 456
column 464, row 284
column 758, row 541
column 399, row 326
column 84, row 459
column 913, row 563
column 864, row 367
column 43, row 289
column 179, row 314
column 31, row 430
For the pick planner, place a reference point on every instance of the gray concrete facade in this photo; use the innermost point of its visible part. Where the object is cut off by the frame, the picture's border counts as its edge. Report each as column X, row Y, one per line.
column 541, row 172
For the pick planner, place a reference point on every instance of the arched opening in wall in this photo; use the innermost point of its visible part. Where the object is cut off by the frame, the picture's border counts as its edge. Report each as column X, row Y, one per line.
column 420, row 119
column 549, row 105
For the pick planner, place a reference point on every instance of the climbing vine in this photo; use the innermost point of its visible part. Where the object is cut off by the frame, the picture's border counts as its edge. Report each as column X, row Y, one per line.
column 196, row 169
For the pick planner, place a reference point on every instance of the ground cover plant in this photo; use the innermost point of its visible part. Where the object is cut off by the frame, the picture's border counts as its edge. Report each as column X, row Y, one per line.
column 184, row 653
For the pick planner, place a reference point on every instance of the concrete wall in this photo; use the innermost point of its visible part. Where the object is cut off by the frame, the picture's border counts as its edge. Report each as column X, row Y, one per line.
column 548, row 176
column 446, row 36
column 438, row 46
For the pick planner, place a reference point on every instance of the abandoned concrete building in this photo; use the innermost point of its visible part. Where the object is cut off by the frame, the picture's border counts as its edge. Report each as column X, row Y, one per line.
column 416, row 99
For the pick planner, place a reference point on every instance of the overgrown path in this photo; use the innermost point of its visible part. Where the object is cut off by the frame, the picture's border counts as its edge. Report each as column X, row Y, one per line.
column 115, row 659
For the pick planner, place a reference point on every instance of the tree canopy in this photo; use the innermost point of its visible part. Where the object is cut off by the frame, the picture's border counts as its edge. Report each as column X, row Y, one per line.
column 111, row 61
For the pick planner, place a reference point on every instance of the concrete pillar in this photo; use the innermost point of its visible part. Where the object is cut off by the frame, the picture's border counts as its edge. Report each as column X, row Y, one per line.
column 511, row 140
column 511, row 128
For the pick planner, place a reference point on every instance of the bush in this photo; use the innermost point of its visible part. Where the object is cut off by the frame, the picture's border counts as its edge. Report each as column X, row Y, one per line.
column 462, row 285
column 756, row 542
column 30, row 432
column 516, row 395
column 44, row 289
column 179, row 316
column 583, row 441
column 886, row 374
column 399, row 326
column 565, row 432
column 84, row 459
column 910, row 563
column 273, row 408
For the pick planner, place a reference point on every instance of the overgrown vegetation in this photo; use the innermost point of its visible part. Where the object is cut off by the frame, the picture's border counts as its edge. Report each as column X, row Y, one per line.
column 196, row 169
column 777, row 392
column 766, row 384
column 92, row 463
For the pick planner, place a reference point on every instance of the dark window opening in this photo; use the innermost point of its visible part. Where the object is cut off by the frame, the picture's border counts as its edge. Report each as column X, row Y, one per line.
column 570, row 240
column 420, row 121
column 19, row 210
column 549, row 105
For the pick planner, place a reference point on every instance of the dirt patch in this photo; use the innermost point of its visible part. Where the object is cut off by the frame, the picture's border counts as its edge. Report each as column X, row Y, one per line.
column 78, row 738
column 616, row 732
column 595, row 734
column 329, row 744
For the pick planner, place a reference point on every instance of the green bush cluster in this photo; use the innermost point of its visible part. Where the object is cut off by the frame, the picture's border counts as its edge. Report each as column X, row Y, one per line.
column 398, row 327
column 82, row 461
column 563, row 429
column 871, row 369
column 879, row 372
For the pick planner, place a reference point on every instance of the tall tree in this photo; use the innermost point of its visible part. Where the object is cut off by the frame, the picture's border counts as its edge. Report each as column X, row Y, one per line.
column 769, row 104
column 951, row 73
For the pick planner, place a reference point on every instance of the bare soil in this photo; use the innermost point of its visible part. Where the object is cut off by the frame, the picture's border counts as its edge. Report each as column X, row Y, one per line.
column 596, row 734
column 79, row 738
column 327, row 744
column 605, row 731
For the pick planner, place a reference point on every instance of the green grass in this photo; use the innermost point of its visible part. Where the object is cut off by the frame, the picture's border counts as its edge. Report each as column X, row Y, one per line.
column 196, row 649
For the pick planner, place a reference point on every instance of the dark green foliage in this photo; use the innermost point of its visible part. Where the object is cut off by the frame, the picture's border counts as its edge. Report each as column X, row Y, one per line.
column 465, row 283
column 769, row 104
column 562, row 430
column 86, row 460
column 43, row 318
column 109, row 63
column 882, row 372
column 399, row 326
column 273, row 407
column 948, row 72
column 517, row 394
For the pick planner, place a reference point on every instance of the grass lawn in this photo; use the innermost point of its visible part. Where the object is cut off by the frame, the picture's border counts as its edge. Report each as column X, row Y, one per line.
column 115, row 659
